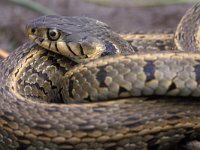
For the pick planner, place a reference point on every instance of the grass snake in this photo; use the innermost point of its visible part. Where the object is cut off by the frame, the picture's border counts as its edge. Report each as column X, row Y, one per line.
column 153, row 93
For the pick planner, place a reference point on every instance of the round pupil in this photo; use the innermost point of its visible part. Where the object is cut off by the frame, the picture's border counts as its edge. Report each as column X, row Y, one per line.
column 52, row 33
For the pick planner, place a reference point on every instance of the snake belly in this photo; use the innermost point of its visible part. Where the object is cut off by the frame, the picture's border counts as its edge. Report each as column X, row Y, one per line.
column 32, row 73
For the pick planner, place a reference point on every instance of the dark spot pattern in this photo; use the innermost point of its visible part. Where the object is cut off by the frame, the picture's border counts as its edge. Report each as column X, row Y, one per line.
column 152, row 144
column 133, row 124
column 197, row 72
column 134, row 47
column 160, row 45
column 149, row 70
column 54, row 62
column 87, row 99
column 101, row 75
column 110, row 49
column 70, row 88
column 122, row 89
column 174, row 118
column 172, row 87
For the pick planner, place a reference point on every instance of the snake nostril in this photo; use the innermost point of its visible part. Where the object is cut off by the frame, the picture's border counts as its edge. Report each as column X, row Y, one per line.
column 33, row 30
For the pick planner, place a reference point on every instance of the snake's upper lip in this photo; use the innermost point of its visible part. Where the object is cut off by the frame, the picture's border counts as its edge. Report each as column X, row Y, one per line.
column 32, row 37
column 35, row 38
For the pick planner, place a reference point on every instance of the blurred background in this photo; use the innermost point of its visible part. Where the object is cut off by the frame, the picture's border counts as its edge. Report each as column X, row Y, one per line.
column 122, row 15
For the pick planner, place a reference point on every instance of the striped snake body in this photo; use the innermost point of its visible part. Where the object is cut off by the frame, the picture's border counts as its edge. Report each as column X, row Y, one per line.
column 35, row 77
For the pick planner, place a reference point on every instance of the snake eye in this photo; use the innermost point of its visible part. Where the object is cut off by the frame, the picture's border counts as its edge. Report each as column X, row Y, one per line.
column 53, row 34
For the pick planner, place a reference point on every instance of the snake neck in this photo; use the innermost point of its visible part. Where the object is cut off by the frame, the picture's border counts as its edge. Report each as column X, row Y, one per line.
column 36, row 73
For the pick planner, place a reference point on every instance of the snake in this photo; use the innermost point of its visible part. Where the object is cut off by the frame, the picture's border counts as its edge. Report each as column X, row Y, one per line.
column 79, row 85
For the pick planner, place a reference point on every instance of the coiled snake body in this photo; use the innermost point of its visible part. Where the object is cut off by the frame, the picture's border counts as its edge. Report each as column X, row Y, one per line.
column 33, row 73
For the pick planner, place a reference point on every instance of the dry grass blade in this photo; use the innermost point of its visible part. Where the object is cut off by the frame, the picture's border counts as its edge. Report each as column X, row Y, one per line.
column 3, row 53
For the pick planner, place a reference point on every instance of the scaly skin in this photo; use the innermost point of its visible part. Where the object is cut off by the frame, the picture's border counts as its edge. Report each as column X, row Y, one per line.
column 151, row 42
column 32, row 73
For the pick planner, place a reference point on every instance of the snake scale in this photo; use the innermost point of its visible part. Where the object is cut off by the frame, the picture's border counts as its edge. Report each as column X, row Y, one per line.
column 139, row 116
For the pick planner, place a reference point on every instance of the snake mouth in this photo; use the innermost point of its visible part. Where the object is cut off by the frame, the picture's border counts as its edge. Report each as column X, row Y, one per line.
column 37, row 39
column 75, row 51
column 32, row 37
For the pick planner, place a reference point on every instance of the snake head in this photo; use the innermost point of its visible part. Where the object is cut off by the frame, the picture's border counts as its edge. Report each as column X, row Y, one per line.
column 74, row 37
